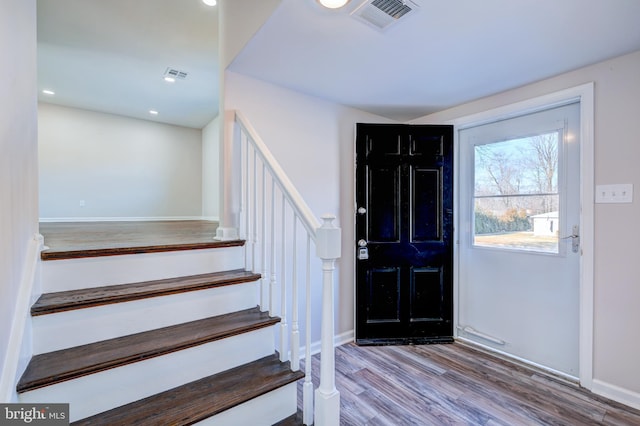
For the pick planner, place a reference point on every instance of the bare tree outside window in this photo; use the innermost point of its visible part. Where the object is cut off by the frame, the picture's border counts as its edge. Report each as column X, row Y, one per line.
column 516, row 198
column 543, row 163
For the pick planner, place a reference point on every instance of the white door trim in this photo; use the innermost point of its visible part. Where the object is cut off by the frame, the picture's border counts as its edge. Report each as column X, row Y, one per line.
column 585, row 94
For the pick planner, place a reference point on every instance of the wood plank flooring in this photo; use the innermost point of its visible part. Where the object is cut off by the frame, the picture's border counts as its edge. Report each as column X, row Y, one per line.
column 90, row 239
column 458, row 385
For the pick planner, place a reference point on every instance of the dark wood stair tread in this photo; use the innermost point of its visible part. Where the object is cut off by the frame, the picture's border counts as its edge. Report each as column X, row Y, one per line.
column 62, row 254
column 67, row 364
column 69, row 240
column 50, row 303
column 198, row 400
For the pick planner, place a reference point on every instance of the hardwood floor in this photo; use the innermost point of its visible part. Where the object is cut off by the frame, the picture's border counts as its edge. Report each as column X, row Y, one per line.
column 458, row 385
column 90, row 239
column 428, row 385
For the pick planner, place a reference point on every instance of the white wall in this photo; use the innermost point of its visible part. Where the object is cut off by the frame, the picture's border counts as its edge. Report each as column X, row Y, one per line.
column 239, row 21
column 312, row 139
column 210, row 169
column 18, row 162
column 121, row 167
column 617, row 229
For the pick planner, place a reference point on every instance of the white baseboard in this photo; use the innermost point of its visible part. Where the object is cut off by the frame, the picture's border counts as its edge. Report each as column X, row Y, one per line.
column 616, row 393
column 344, row 338
column 20, row 349
column 338, row 340
column 124, row 219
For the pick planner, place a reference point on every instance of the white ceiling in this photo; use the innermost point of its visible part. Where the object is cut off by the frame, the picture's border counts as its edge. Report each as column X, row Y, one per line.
column 110, row 55
column 447, row 53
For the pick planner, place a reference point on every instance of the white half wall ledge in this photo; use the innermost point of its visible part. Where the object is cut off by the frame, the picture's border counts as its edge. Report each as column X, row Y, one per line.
column 616, row 393
column 20, row 349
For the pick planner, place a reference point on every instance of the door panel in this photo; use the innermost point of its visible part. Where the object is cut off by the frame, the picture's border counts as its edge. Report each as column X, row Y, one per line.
column 425, row 205
column 384, row 220
column 383, row 298
column 404, row 195
column 426, row 294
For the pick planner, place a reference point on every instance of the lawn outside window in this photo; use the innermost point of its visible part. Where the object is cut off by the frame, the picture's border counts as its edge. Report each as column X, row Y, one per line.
column 516, row 199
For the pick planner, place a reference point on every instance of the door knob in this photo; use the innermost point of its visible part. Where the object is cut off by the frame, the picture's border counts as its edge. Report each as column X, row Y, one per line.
column 362, row 243
column 362, row 210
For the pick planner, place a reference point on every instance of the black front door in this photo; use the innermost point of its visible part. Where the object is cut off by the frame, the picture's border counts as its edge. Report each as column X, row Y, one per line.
column 404, row 231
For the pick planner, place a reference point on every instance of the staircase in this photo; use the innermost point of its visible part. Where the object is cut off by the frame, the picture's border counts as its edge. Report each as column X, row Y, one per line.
column 171, row 335
column 168, row 349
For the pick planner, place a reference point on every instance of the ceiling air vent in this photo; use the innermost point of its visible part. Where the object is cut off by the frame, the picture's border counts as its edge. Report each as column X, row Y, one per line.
column 174, row 73
column 382, row 13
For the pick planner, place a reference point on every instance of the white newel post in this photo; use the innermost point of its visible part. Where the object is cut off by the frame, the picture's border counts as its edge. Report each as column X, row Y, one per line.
column 230, row 191
column 328, row 248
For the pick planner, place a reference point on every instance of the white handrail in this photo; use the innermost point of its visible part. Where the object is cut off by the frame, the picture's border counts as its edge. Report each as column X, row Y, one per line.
column 302, row 210
column 327, row 239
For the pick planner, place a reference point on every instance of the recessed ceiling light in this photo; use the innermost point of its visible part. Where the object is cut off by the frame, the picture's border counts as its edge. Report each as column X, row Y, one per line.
column 210, row 2
column 170, row 79
column 153, row 112
column 333, row 4
column 48, row 92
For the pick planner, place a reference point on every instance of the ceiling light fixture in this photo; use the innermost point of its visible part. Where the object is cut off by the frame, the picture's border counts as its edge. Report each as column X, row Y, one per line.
column 170, row 79
column 333, row 4
column 48, row 92
column 153, row 112
column 210, row 2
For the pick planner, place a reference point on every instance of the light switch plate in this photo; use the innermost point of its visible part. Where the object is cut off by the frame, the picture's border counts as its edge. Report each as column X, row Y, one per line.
column 619, row 193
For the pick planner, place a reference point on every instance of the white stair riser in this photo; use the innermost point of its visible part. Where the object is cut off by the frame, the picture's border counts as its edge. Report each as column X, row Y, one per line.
column 112, row 388
column 264, row 410
column 79, row 327
column 75, row 274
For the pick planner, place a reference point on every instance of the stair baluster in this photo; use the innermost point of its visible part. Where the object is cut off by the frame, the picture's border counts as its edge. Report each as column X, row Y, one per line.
column 307, row 387
column 295, row 330
column 264, row 281
column 272, row 284
column 326, row 238
column 284, row 356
